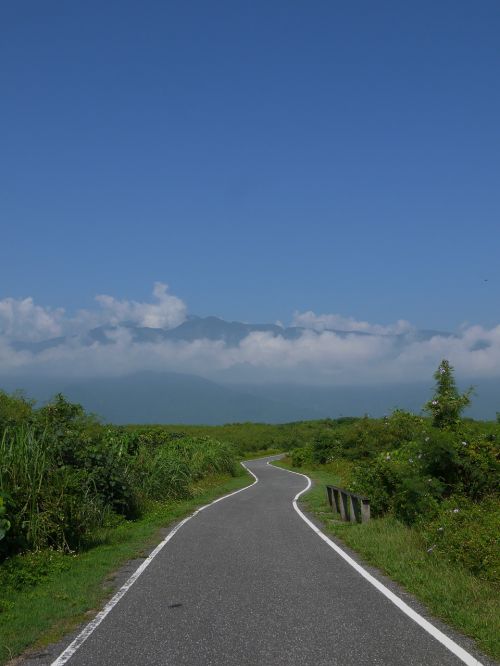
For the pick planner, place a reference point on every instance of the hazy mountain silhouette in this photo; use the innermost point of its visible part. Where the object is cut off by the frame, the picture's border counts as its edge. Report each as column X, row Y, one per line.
column 148, row 397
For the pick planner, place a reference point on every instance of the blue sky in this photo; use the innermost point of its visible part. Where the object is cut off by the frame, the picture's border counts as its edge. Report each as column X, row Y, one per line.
column 260, row 158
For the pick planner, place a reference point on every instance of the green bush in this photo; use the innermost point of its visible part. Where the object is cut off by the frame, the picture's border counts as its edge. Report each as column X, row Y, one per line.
column 366, row 438
column 447, row 404
column 302, row 456
column 467, row 532
column 397, row 482
column 47, row 505
column 15, row 410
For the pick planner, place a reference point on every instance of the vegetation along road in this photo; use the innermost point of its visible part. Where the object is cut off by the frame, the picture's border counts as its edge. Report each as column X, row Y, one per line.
column 248, row 581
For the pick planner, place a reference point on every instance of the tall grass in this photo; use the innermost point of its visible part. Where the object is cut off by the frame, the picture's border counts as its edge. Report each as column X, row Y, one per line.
column 63, row 476
column 24, row 469
column 48, row 505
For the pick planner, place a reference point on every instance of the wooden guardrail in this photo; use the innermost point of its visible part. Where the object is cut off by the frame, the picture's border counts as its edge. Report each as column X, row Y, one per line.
column 351, row 507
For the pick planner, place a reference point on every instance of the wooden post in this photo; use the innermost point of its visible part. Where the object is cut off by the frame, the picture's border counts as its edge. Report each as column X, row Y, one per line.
column 352, row 509
column 336, row 497
column 344, row 509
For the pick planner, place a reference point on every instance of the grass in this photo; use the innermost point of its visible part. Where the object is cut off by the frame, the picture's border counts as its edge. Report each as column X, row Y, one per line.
column 449, row 591
column 78, row 585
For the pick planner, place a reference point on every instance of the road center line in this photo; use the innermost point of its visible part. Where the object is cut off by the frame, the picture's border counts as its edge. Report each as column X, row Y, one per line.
column 448, row 643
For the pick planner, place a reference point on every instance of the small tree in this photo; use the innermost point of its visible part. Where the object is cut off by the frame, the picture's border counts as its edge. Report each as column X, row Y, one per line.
column 447, row 403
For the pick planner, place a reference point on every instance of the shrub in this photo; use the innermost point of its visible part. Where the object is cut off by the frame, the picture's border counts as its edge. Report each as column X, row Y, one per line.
column 366, row 438
column 302, row 456
column 107, row 465
column 48, row 505
column 467, row 532
column 479, row 460
column 325, row 446
column 15, row 410
column 447, row 404
column 396, row 482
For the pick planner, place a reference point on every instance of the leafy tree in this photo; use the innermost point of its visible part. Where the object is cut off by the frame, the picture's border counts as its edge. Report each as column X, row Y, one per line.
column 447, row 404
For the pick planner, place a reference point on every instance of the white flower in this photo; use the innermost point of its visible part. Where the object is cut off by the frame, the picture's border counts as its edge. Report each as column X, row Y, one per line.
column 440, row 529
column 456, row 510
column 464, row 443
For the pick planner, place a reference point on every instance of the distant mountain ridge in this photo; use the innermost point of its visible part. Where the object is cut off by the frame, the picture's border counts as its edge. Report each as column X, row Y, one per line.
column 168, row 397
column 206, row 328
column 234, row 393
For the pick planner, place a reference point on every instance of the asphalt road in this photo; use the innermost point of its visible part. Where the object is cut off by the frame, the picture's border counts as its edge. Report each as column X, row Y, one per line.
column 247, row 582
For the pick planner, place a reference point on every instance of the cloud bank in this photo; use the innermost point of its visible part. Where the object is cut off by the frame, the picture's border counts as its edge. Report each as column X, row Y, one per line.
column 337, row 322
column 331, row 348
column 168, row 311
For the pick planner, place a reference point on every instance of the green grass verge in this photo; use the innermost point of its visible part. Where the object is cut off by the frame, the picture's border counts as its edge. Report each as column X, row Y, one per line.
column 449, row 591
column 79, row 584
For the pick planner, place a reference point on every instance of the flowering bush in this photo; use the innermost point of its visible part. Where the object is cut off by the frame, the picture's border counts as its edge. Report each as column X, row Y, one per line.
column 447, row 404
column 397, row 482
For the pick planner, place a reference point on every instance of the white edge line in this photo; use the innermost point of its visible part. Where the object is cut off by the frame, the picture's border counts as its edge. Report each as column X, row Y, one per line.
column 448, row 643
column 93, row 624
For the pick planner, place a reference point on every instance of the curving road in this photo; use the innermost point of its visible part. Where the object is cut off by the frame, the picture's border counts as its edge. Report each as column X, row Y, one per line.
column 247, row 582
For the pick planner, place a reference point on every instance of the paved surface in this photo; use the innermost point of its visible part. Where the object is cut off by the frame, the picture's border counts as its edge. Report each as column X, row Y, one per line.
column 247, row 582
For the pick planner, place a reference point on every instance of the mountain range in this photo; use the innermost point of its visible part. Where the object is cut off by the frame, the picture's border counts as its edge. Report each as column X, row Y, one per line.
column 203, row 328
column 176, row 397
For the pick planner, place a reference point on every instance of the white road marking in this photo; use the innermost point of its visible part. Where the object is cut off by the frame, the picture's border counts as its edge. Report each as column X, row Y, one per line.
column 92, row 626
column 453, row 647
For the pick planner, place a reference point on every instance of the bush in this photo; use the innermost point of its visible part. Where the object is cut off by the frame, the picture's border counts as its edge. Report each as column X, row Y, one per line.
column 366, row 438
column 396, row 482
column 47, row 505
column 63, row 475
column 302, row 456
column 447, row 404
column 15, row 410
column 467, row 532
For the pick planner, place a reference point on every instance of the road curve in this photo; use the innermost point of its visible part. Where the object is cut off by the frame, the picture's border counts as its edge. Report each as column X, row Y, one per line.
column 247, row 582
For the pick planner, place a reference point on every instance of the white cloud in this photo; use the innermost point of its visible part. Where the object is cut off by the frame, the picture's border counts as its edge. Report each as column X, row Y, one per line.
column 317, row 356
column 22, row 319
column 338, row 322
column 168, row 311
